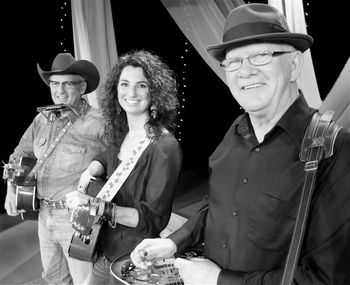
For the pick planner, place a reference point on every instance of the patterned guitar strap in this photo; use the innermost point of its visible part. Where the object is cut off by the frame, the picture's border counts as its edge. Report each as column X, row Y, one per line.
column 116, row 180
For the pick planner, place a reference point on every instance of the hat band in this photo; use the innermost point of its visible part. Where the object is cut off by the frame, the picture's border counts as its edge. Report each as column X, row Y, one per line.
column 252, row 29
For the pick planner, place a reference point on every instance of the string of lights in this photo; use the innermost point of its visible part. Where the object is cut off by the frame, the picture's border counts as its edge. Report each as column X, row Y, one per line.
column 64, row 26
column 306, row 12
column 182, row 91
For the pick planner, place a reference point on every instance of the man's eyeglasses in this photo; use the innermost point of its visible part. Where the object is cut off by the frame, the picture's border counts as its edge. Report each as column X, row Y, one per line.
column 259, row 58
column 65, row 84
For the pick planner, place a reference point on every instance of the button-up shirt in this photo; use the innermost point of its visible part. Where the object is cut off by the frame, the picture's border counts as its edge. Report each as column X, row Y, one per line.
column 61, row 171
column 254, row 195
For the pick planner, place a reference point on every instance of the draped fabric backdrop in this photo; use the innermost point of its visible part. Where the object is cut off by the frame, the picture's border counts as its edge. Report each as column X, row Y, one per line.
column 202, row 22
column 294, row 13
column 94, row 37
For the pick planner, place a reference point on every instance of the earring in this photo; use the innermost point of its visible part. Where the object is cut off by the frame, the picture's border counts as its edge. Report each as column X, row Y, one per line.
column 153, row 111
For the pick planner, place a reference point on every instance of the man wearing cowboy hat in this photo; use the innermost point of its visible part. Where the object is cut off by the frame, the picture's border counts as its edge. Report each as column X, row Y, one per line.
column 82, row 133
column 256, row 176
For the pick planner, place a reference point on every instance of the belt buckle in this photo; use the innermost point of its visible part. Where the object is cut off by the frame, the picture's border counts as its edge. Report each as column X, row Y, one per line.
column 58, row 204
column 62, row 203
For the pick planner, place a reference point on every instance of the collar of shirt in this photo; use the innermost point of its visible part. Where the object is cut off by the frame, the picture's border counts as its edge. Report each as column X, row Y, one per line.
column 293, row 121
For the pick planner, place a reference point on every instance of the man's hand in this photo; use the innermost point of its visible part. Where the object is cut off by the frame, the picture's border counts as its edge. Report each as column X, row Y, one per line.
column 149, row 249
column 10, row 201
column 198, row 271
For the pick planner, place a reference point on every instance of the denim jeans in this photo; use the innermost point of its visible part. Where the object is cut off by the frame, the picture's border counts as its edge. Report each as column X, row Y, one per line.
column 55, row 234
column 101, row 274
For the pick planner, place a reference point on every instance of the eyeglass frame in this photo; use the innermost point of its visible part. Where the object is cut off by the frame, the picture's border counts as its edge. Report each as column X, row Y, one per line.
column 271, row 55
column 69, row 84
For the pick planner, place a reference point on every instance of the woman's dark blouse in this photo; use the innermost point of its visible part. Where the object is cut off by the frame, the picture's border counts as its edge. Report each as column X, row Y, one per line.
column 149, row 188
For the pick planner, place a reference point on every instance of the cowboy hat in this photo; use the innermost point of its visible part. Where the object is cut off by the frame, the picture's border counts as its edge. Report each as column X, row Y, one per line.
column 252, row 23
column 65, row 63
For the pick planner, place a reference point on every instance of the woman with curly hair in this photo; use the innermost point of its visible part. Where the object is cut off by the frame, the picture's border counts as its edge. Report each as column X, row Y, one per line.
column 139, row 101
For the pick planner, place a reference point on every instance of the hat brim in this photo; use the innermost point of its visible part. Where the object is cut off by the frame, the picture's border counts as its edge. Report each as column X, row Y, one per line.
column 300, row 41
column 83, row 68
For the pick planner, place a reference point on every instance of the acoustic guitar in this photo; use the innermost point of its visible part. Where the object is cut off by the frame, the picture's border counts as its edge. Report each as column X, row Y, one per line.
column 26, row 201
column 83, row 245
column 160, row 271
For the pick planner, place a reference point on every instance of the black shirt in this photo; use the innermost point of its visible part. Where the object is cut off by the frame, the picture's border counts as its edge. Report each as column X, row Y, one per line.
column 253, row 200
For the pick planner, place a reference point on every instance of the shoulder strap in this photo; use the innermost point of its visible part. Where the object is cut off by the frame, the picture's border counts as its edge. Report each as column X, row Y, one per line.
column 116, row 180
column 71, row 118
column 318, row 143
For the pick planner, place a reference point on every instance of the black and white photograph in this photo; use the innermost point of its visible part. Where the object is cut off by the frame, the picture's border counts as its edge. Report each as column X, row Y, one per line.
column 175, row 142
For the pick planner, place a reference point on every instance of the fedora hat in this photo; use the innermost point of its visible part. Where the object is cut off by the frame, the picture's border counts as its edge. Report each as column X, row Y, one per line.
column 65, row 63
column 254, row 23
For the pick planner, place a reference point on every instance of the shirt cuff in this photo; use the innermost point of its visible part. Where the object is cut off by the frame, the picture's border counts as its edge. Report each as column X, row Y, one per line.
column 230, row 277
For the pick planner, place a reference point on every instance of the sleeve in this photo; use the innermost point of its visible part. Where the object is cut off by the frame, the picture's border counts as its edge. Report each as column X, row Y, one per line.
column 192, row 232
column 156, row 204
column 324, row 257
column 102, row 157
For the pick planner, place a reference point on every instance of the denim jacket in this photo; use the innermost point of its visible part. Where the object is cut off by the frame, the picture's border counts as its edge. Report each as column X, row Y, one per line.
column 61, row 171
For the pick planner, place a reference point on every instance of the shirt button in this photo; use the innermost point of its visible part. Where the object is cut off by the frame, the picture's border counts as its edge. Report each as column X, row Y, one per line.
column 224, row 245
column 257, row 149
column 234, row 213
column 245, row 180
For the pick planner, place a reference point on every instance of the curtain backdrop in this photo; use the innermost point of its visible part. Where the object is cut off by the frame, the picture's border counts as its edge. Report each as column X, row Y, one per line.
column 202, row 22
column 94, row 38
column 294, row 12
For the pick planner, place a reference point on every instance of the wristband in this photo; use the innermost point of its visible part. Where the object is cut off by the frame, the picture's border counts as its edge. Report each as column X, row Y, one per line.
column 108, row 210
column 113, row 222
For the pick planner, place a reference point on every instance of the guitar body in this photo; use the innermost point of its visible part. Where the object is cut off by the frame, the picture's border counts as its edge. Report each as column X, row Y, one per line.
column 161, row 271
column 84, row 247
column 26, row 200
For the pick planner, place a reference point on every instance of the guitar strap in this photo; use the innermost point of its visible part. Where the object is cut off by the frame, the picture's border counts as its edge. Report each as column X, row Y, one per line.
column 71, row 118
column 318, row 143
column 113, row 184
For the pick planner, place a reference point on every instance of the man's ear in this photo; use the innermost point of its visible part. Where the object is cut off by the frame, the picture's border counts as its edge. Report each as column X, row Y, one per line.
column 297, row 61
column 83, row 87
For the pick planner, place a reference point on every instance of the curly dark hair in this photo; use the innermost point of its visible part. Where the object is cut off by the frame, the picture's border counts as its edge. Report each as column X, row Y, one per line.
column 163, row 95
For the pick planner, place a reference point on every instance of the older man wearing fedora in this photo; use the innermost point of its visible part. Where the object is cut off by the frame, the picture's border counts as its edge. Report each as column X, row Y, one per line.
column 256, row 176
column 63, row 138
